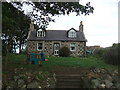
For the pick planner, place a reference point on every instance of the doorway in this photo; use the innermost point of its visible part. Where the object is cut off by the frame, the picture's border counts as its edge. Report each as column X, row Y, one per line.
column 56, row 48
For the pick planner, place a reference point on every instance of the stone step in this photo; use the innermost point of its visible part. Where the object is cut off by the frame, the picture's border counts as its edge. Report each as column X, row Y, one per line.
column 70, row 77
column 68, row 87
column 68, row 81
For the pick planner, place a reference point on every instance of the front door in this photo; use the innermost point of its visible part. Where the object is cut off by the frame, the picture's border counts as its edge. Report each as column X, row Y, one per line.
column 56, row 48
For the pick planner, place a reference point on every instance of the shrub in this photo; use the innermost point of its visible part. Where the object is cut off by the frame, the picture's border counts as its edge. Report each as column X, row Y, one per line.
column 111, row 56
column 100, row 52
column 64, row 52
column 24, row 52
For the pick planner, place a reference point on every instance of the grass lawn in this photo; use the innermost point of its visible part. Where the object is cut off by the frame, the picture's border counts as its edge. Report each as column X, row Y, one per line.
column 77, row 62
column 14, row 60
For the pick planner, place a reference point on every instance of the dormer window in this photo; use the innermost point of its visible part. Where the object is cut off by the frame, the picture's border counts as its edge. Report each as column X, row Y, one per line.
column 72, row 34
column 40, row 33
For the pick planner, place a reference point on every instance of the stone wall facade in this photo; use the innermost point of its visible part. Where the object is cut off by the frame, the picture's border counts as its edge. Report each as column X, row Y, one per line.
column 48, row 47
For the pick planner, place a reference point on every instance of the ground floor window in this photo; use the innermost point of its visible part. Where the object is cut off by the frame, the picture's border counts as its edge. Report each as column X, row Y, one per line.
column 72, row 47
column 39, row 46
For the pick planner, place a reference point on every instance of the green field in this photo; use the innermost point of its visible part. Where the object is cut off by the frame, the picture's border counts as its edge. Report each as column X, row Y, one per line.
column 16, row 61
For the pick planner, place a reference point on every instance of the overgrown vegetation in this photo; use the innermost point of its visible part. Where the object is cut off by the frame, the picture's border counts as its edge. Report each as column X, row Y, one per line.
column 64, row 52
column 100, row 52
column 109, row 55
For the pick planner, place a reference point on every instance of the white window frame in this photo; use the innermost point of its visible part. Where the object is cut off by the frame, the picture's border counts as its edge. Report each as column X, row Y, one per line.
column 38, row 46
column 71, row 45
column 40, row 33
column 72, row 34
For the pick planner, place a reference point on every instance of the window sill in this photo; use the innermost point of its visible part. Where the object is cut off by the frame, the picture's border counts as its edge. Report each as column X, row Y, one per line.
column 40, row 50
column 72, row 50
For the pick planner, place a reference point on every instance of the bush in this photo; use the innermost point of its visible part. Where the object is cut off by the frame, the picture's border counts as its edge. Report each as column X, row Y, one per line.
column 64, row 52
column 100, row 52
column 24, row 51
column 111, row 56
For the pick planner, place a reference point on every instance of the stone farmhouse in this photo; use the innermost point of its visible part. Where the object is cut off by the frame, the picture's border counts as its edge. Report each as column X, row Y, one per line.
column 50, row 41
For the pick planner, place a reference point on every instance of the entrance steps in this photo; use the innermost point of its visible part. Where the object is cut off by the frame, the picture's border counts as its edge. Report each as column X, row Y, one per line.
column 68, row 81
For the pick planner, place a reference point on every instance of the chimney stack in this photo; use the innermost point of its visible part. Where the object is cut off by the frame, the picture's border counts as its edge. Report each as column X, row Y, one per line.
column 31, row 26
column 81, row 27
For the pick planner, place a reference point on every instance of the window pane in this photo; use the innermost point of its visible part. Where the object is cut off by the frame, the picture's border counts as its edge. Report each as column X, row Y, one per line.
column 75, row 34
column 40, row 33
column 72, row 46
column 44, row 34
column 39, row 46
column 72, row 34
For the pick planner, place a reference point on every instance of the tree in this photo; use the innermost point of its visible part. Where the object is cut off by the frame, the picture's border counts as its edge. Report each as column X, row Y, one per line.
column 44, row 11
column 15, row 27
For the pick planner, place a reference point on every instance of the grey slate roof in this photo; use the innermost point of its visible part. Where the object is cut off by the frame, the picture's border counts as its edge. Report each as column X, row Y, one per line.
column 57, row 35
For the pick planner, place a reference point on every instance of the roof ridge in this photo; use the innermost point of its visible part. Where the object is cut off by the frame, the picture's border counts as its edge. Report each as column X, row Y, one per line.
column 60, row 30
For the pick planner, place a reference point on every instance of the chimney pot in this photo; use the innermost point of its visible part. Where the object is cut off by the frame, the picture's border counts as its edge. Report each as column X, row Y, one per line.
column 31, row 26
column 81, row 23
column 81, row 27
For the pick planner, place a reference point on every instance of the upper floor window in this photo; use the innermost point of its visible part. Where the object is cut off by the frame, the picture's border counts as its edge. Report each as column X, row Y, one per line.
column 72, row 33
column 40, row 33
